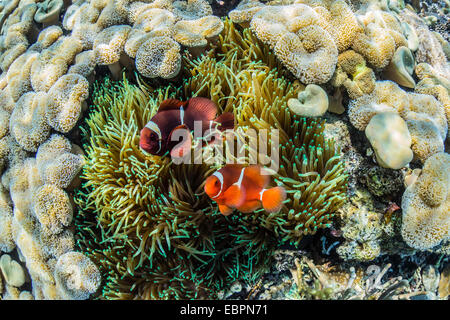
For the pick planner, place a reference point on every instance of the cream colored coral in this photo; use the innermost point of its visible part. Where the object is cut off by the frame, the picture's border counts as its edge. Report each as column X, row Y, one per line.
column 22, row 179
column 377, row 46
column 86, row 33
column 53, row 63
column 65, row 101
column 84, row 64
column 4, row 122
column 401, row 68
column 76, row 276
column 434, row 88
column 192, row 9
column 427, row 123
column 112, row 15
column 12, row 271
column 159, row 57
column 338, row 19
column 28, row 124
column 386, row 97
column 244, row 11
column 294, row 32
column 16, row 29
column 52, row 207
column 35, row 260
column 426, row 139
column 6, row 214
column 18, row 75
column 136, row 38
column 46, row 38
column 194, row 33
column 136, row 8
column 57, row 163
column 56, row 245
column 10, row 55
column 156, row 22
column 109, row 45
column 353, row 74
column 79, row 13
column 426, row 205
column 423, row 107
column 388, row 134
column 311, row 102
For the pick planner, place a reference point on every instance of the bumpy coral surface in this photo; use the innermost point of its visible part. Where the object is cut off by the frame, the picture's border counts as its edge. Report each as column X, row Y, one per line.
column 426, row 205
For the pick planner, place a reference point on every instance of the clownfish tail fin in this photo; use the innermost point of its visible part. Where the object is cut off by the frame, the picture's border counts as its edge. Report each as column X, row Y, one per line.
column 272, row 199
column 226, row 121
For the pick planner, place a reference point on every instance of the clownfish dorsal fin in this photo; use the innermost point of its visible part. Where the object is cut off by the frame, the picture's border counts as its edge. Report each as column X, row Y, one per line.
column 257, row 175
column 170, row 104
column 203, row 107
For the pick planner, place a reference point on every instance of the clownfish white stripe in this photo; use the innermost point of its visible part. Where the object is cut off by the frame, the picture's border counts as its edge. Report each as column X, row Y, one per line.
column 182, row 115
column 261, row 194
column 239, row 182
column 220, row 177
column 154, row 127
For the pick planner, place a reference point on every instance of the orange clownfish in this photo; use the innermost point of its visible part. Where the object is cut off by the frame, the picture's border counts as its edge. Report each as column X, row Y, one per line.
column 243, row 188
column 156, row 136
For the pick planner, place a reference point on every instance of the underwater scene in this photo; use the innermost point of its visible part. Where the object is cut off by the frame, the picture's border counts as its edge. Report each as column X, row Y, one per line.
column 224, row 150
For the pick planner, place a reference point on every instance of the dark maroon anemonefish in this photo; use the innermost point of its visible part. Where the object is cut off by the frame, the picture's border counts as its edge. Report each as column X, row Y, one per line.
column 173, row 114
column 240, row 187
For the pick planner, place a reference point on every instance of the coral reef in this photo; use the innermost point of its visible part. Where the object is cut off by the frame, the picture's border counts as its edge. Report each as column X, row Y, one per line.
column 315, row 188
column 85, row 213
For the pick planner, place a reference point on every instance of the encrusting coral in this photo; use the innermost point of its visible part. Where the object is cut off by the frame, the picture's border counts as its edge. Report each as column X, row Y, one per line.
column 426, row 205
column 311, row 102
column 353, row 74
column 76, row 276
column 298, row 40
column 389, row 136
column 165, row 201
column 423, row 114
column 65, row 102
column 159, row 57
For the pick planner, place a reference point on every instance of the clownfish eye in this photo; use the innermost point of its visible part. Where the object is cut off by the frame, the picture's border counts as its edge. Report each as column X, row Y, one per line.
column 216, row 183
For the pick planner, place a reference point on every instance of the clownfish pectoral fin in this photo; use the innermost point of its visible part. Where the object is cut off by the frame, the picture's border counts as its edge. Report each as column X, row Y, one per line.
column 249, row 206
column 183, row 147
column 170, row 104
column 272, row 199
column 225, row 210
column 234, row 196
column 225, row 121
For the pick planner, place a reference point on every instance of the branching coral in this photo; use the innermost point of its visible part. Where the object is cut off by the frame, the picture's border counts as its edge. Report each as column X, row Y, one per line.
column 146, row 221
